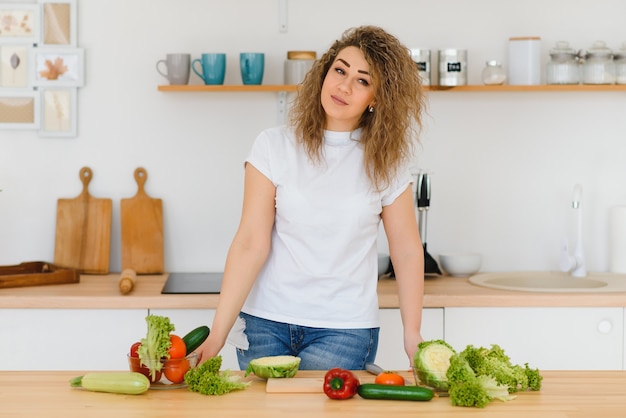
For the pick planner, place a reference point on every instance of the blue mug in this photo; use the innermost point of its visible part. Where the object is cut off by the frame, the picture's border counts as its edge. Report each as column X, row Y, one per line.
column 252, row 66
column 213, row 68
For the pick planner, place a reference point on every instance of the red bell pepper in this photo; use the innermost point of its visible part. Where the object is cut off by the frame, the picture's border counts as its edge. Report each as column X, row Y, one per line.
column 340, row 384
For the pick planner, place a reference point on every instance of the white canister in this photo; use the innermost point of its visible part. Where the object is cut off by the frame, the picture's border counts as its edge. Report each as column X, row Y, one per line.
column 452, row 67
column 525, row 61
column 297, row 64
column 422, row 61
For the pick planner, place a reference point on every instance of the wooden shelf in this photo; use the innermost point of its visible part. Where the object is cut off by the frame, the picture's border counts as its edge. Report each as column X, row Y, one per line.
column 543, row 87
column 230, row 88
column 477, row 88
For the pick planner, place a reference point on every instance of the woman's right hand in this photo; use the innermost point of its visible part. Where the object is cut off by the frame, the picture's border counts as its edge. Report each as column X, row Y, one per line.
column 208, row 349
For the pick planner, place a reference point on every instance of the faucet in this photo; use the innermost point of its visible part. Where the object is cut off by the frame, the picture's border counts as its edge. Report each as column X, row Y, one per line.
column 575, row 263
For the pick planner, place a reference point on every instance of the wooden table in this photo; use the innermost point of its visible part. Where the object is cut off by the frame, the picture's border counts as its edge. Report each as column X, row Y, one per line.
column 571, row 394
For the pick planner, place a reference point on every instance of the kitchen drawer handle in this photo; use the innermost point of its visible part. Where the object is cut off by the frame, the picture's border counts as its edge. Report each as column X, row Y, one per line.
column 605, row 326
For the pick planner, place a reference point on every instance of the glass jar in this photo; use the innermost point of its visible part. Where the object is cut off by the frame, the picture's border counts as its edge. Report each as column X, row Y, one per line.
column 620, row 64
column 599, row 67
column 493, row 74
column 297, row 65
column 563, row 65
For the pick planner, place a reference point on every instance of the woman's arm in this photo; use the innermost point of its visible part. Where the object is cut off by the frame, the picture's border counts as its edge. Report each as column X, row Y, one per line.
column 407, row 257
column 246, row 255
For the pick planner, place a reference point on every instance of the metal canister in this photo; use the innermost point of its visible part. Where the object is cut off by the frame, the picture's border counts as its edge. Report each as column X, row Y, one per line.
column 422, row 61
column 452, row 67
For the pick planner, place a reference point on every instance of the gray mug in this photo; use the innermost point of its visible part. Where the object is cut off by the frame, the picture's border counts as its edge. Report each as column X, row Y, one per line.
column 177, row 68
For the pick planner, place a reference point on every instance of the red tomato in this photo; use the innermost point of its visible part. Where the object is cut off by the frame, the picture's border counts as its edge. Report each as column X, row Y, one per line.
column 178, row 348
column 175, row 369
column 134, row 348
column 389, row 378
column 135, row 364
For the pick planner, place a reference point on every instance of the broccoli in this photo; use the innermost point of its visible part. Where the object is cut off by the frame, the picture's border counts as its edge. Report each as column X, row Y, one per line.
column 208, row 380
column 431, row 362
column 156, row 344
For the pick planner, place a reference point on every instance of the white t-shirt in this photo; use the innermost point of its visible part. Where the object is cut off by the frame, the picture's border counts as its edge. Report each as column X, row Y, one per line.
column 322, row 269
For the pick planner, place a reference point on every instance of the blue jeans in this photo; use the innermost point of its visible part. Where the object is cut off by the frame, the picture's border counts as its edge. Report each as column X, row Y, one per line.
column 319, row 348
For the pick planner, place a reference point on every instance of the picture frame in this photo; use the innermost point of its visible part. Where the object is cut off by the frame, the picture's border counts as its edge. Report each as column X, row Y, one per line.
column 59, row 25
column 59, row 67
column 20, row 23
column 19, row 110
column 14, row 66
column 58, row 112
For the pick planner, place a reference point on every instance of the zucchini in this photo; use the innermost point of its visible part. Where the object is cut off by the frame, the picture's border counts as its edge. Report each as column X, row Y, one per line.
column 128, row 383
column 401, row 393
column 196, row 337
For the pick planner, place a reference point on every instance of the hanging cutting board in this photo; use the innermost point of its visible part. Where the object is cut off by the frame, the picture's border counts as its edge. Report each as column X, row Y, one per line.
column 142, row 230
column 295, row 385
column 83, row 231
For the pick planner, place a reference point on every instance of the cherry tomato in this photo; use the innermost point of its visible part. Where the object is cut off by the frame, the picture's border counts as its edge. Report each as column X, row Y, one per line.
column 175, row 369
column 134, row 348
column 178, row 348
column 389, row 378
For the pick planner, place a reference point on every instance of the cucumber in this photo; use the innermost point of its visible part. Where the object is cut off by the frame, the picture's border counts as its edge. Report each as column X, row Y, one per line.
column 402, row 393
column 196, row 337
column 128, row 383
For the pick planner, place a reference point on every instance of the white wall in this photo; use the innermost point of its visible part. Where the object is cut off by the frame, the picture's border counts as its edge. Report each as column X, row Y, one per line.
column 503, row 164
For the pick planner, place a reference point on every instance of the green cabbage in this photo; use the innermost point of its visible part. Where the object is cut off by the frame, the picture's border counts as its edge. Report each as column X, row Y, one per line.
column 274, row 366
column 431, row 363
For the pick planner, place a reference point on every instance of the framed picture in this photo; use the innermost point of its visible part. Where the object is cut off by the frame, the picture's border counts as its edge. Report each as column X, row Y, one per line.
column 14, row 66
column 58, row 23
column 59, row 67
column 19, row 110
column 58, row 112
column 19, row 23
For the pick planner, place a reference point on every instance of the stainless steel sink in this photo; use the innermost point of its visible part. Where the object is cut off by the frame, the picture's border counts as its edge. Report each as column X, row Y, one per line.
column 549, row 281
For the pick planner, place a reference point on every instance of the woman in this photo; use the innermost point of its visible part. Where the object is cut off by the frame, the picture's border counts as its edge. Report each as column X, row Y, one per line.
column 301, row 273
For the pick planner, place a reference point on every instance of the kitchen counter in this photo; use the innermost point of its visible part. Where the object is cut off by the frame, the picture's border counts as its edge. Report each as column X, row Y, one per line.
column 571, row 394
column 101, row 292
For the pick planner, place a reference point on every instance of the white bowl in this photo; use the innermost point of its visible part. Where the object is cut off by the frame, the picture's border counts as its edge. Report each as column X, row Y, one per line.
column 460, row 264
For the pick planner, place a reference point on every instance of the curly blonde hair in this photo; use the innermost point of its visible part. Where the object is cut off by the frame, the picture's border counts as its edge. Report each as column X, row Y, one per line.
column 388, row 133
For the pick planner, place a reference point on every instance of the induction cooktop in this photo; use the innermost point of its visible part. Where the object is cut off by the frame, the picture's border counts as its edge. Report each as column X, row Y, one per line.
column 193, row 283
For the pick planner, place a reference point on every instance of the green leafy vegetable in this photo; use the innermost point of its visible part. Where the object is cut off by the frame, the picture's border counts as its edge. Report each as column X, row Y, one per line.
column 274, row 366
column 208, row 380
column 494, row 362
column 468, row 389
column 431, row 362
column 478, row 375
column 156, row 343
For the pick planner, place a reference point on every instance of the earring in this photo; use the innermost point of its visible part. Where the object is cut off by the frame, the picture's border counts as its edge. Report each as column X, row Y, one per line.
column 371, row 109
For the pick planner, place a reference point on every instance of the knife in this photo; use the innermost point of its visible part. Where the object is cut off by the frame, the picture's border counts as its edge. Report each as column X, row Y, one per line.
column 374, row 369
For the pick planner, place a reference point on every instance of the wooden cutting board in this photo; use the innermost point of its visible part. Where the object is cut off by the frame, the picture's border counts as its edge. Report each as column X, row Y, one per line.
column 295, row 385
column 83, row 231
column 142, row 230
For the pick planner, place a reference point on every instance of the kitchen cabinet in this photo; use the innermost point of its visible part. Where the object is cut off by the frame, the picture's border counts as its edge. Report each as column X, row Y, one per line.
column 581, row 338
column 68, row 339
column 391, row 354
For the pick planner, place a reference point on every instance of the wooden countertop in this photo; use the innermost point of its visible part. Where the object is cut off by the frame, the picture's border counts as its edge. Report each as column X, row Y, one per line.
column 101, row 292
column 565, row 394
